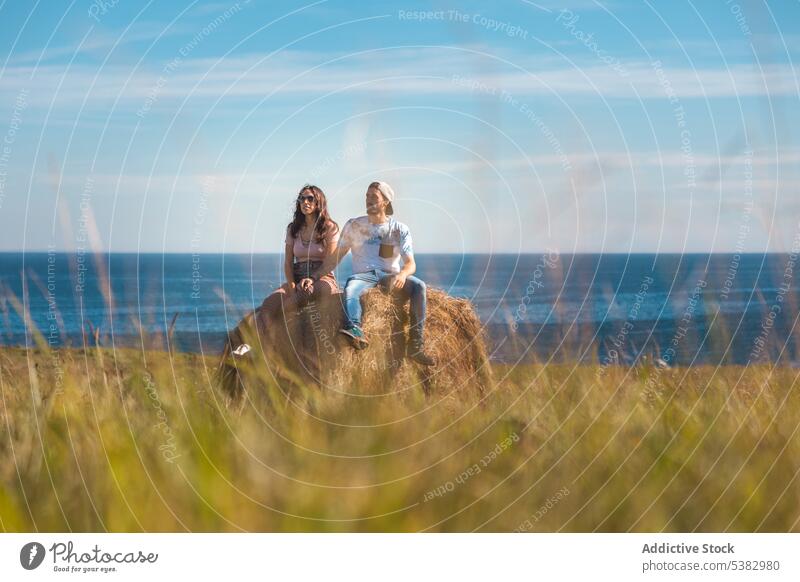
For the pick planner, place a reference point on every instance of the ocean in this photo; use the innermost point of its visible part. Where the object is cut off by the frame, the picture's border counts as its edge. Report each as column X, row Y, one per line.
column 683, row 309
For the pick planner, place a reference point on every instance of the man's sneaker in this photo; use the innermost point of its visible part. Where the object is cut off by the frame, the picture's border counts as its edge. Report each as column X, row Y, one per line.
column 416, row 352
column 357, row 338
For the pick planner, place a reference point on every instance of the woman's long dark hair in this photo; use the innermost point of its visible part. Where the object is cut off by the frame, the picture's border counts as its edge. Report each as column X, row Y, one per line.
column 324, row 226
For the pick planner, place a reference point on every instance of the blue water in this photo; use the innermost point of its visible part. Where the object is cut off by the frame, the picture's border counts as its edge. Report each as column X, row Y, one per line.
column 616, row 308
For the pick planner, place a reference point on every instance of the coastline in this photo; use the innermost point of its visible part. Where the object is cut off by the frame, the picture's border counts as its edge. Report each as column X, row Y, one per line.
column 581, row 307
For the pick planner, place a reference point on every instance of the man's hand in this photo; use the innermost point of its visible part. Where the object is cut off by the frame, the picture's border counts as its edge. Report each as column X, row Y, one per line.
column 307, row 285
column 398, row 281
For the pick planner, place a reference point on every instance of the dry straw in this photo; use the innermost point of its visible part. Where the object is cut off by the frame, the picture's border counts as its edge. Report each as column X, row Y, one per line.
column 304, row 345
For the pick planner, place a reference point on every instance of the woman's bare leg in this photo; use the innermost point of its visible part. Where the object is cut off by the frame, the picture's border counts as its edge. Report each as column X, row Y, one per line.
column 314, row 335
column 323, row 289
column 278, row 302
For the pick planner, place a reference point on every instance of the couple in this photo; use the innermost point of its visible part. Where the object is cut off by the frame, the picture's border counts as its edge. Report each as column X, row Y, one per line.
column 378, row 243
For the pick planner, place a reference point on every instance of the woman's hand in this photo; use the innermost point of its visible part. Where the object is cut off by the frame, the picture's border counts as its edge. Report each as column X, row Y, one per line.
column 307, row 285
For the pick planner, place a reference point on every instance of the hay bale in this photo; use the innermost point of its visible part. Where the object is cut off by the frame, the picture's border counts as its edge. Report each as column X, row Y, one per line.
column 305, row 346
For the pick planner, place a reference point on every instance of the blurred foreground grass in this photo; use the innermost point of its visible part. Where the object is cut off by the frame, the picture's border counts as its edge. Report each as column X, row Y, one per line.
column 96, row 440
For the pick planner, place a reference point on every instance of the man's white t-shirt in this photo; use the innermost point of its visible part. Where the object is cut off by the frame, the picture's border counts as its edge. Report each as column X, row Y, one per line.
column 376, row 246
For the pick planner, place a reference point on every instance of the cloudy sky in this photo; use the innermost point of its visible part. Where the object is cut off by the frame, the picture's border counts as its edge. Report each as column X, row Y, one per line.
column 601, row 127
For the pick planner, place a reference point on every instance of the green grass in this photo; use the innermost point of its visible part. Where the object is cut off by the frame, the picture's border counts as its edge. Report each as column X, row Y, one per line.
column 132, row 441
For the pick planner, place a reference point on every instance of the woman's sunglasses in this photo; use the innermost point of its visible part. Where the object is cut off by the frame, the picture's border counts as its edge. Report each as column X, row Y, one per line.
column 306, row 198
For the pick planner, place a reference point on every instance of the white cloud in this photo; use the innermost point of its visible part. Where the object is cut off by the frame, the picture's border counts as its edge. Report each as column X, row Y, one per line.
column 415, row 72
column 99, row 43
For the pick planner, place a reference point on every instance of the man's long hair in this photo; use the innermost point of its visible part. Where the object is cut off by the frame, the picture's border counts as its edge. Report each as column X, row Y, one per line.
column 324, row 225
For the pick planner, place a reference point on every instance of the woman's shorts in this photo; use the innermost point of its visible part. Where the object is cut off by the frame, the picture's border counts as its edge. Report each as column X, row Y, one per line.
column 304, row 269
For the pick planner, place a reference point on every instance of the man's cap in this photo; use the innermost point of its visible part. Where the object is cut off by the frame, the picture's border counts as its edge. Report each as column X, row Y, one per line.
column 388, row 193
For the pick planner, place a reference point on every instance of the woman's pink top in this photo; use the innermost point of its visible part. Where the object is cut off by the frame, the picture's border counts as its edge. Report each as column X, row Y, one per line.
column 312, row 251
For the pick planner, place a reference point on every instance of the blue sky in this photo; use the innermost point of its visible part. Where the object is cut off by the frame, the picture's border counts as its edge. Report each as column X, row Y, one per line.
column 582, row 126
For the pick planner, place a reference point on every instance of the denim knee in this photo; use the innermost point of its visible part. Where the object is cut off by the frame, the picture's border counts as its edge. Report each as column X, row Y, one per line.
column 353, row 287
column 416, row 285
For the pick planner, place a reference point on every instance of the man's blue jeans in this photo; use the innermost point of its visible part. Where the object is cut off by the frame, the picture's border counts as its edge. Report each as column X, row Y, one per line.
column 414, row 290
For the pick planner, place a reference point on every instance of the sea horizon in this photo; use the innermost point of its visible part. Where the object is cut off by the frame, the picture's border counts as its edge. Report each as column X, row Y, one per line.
column 605, row 307
column 416, row 254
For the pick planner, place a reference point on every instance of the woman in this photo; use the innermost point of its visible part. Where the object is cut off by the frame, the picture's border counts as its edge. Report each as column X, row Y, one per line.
column 310, row 237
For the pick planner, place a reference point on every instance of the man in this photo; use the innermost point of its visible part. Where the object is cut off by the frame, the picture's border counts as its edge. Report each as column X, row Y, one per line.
column 378, row 243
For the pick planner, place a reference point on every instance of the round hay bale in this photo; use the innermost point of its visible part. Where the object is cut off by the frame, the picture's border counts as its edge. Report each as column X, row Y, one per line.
column 304, row 345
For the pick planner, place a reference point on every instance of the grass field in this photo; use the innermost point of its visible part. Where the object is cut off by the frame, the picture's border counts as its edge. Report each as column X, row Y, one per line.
column 96, row 440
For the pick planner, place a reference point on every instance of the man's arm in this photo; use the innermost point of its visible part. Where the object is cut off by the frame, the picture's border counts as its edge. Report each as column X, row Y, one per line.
column 407, row 254
column 337, row 249
column 409, row 268
column 331, row 261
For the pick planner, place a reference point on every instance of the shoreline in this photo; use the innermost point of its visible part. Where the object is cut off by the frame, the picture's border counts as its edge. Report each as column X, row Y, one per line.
column 213, row 358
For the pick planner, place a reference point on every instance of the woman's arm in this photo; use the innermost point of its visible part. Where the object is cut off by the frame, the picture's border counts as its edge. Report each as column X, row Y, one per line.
column 288, row 269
